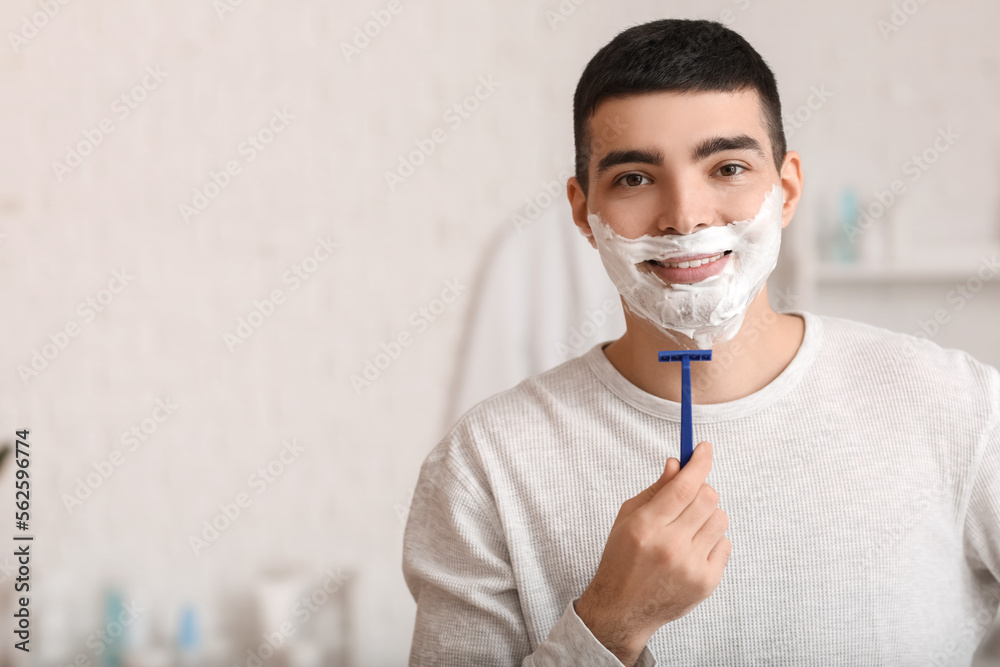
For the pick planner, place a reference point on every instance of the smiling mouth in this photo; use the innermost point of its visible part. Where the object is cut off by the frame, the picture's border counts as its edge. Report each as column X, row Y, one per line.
column 688, row 263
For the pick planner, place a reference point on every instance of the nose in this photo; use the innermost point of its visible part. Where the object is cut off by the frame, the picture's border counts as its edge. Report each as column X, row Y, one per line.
column 684, row 209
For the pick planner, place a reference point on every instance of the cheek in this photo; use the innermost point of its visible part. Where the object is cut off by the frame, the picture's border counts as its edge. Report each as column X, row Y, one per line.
column 632, row 217
column 745, row 204
column 746, row 209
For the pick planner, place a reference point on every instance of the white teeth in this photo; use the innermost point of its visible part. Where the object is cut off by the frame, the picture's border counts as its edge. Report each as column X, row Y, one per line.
column 692, row 264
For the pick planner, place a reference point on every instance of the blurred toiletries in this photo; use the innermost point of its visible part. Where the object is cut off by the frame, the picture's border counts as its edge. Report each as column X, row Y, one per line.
column 188, row 641
column 115, row 629
column 849, row 230
column 871, row 242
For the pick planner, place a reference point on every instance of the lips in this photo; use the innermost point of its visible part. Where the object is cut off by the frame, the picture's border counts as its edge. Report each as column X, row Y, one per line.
column 675, row 261
column 688, row 274
column 687, row 258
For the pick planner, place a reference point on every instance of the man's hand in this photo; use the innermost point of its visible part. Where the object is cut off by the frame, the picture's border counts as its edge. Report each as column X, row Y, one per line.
column 666, row 554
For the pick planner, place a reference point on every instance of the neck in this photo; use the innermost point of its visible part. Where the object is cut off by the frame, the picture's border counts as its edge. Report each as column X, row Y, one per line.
column 765, row 344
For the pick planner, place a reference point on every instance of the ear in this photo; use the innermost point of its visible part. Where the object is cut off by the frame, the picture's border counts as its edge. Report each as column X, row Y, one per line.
column 578, row 202
column 791, row 183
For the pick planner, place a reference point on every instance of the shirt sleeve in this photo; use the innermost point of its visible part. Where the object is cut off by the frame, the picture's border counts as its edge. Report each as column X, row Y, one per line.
column 982, row 521
column 457, row 567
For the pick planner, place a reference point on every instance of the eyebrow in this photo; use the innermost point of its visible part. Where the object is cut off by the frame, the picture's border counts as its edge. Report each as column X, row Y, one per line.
column 706, row 148
column 740, row 142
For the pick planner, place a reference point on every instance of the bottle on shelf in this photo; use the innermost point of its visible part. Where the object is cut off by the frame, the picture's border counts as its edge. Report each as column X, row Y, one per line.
column 849, row 231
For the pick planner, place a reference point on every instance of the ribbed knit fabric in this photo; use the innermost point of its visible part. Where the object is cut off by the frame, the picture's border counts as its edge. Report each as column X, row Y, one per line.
column 862, row 486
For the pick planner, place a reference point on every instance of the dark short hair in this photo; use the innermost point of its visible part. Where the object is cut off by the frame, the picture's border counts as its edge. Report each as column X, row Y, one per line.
column 673, row 55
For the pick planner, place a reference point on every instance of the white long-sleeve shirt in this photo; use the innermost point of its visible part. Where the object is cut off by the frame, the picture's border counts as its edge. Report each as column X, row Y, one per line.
column 862, row 486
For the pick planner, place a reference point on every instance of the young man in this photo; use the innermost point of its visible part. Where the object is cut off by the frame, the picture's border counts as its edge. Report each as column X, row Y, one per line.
column 858, row 468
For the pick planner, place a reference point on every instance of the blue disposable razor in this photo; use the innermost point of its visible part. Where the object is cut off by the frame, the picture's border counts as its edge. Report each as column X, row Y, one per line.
column 686, row 357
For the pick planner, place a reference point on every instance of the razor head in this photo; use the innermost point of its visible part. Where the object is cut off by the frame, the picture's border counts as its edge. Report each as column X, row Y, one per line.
column 691, row 355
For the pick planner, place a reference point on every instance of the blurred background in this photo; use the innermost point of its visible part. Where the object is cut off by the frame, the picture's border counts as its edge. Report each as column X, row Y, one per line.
column 257, row 257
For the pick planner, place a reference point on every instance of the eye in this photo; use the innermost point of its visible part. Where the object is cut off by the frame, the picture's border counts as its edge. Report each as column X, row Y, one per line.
column 631, row 184
column 727, row 170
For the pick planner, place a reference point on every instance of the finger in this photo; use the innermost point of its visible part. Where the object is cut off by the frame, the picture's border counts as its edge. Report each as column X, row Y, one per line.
column 671, row 499
column 720, row 554
column 670, row 470
column 712, row 530
column 695, row 515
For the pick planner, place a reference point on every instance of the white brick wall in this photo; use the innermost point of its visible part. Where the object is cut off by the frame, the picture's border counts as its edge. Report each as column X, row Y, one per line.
column 162, row 335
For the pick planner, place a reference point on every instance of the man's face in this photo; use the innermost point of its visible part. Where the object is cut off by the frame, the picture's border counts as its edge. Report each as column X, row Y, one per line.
column 686, row 208
column 678, row 163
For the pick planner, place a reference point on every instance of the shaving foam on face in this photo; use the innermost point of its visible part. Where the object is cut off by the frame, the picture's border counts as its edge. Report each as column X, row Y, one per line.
column 710, row 311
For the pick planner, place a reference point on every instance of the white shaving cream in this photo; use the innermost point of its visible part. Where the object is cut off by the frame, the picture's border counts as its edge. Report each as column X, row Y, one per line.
column 710, row 311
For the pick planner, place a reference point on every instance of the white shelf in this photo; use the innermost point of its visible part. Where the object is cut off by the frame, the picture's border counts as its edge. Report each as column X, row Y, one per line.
column 849, row 274
column 948, row 264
